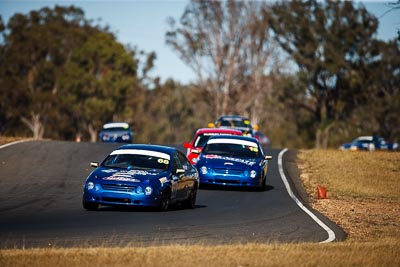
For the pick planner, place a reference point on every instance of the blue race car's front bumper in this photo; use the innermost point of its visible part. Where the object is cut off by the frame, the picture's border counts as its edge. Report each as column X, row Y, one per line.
column 111, row 198
column 116, row 139
column 230, row 180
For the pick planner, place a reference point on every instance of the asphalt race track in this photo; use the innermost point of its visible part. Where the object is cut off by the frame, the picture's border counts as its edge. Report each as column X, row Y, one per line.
column 41, row 185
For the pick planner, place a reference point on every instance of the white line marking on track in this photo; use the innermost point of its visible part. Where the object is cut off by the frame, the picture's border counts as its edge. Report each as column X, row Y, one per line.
column 15, row 142
column 331, row 234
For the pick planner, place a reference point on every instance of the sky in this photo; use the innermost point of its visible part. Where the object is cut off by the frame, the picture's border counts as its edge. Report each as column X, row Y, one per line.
column 143, row 24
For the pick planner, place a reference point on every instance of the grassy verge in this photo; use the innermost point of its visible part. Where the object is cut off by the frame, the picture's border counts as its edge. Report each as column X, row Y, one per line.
column 363, row 190
column 363, row 197
column 6, row 139
column 383, row 253
column 353, row 174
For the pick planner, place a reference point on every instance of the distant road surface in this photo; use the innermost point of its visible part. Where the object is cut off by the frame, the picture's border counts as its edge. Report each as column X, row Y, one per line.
column 41, row 185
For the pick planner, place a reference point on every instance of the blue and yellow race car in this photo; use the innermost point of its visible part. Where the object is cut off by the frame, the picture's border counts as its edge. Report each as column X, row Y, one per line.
column 142, row 175
column 233, row 161
column 116, row 132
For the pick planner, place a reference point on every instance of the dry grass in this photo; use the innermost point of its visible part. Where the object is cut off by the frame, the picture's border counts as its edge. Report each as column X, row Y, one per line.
column 383, row 253
column 6, row 139
column 353, row 174
column 363, row 190
column 363, row 197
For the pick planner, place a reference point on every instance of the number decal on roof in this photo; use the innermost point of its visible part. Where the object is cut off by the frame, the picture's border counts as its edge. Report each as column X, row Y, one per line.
column 163, row 161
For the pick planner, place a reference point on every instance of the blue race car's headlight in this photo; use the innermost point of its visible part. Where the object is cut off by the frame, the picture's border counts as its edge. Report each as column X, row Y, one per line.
column 204, row 170
column 253, row 174
column 139, row 190
column 93, row 186
column 148, row 190
column 125, row 137
column 90, row 185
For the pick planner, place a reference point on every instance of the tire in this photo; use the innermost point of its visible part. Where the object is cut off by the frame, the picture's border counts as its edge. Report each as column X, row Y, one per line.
column 262, row 186
column 90, row 205
column 165, row 200
column 190, row 202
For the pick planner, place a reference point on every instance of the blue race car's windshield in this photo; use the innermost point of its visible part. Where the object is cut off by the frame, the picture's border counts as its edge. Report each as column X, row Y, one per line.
column 232, row 123
column 130, row 161
column 365, row 142
column 201, row 140
column 115, row 129
column 232, row 150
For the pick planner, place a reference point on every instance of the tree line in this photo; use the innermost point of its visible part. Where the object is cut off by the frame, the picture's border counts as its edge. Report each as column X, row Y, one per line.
column 310, row 74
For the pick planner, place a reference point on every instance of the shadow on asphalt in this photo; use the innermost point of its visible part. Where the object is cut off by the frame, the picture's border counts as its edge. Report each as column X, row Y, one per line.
column 234, row 188
column 117, row 208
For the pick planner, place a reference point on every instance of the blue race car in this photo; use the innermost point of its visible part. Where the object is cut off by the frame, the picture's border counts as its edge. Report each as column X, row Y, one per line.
column 233, row 161
column 142, row 175
column 116, row 132
column 369, row 143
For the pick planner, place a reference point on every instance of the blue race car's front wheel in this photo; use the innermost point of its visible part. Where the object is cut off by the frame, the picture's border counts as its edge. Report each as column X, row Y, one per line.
column 90, row 205
column 165, row 200
column 190, row 203
column 263, row 186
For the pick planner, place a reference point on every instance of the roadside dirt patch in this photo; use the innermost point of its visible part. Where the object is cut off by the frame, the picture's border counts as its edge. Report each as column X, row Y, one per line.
column 362, row 219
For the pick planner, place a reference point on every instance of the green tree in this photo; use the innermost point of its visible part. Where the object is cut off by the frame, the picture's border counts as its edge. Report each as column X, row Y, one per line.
column 172, row 113
column 332, row 43
column 97, row 80
column 383, row 103
column 34, row 50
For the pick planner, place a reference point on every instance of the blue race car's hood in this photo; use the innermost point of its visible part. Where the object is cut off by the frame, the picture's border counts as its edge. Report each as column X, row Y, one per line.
column 347, row 145
column 215, row 161
column 122, row 132
column 126, row 176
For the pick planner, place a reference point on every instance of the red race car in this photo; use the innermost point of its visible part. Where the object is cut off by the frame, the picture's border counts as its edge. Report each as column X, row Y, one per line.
column 200, row 139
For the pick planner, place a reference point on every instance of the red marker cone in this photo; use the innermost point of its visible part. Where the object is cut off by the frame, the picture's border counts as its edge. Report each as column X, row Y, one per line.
column 321, row 192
